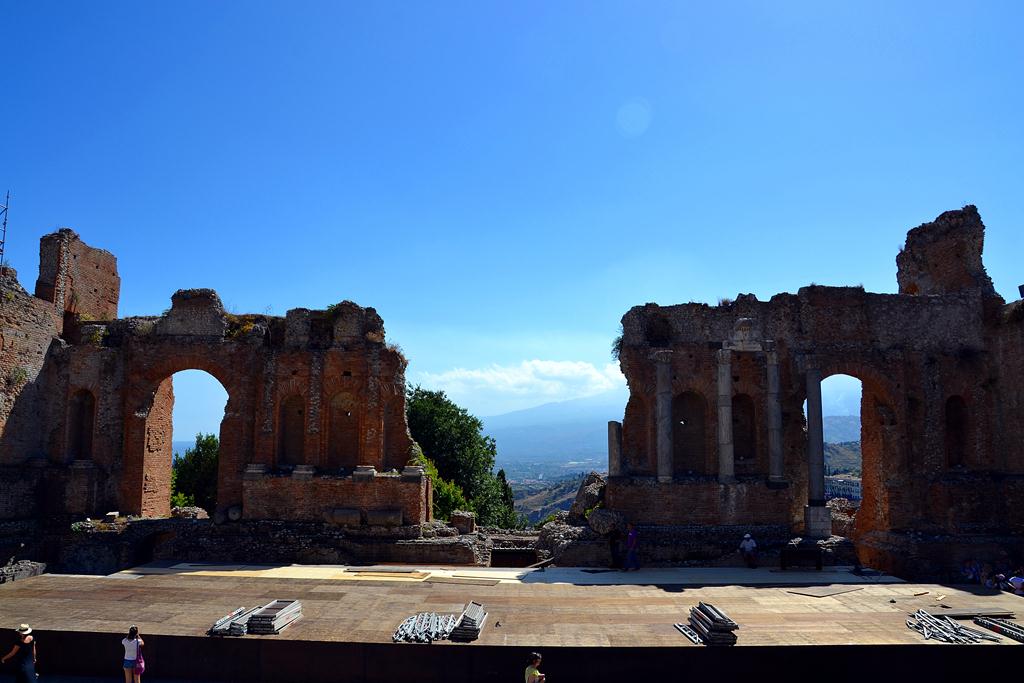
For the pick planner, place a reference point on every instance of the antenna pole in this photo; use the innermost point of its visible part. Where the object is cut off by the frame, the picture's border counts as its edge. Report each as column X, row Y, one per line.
column 3, row 229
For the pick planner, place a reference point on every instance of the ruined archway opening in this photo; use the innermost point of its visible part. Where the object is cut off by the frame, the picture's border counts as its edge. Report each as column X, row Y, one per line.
column 744, row 434
column 957, row 428
column 342, row 432
column 689, row 434
column 842, row 398
column 291, row 429
column 81, row 418
column 194, row 400
column 199, row 405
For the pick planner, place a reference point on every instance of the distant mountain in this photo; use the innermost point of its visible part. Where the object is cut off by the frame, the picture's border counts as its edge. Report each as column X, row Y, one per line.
column 566, row 431
column 841, row 428
column 577, row 431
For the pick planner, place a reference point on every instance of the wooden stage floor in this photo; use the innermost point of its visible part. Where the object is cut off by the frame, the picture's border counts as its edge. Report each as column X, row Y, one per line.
column 526, row 609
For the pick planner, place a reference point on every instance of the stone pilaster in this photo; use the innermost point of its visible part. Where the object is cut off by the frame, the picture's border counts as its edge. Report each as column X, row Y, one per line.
column 776, row 469
column 614, row 449
column 817, row 519
column 726, row 460
column 663, row 412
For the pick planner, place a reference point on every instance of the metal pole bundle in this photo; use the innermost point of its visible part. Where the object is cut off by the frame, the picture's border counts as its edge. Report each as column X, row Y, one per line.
column 425, row 627
column 946, row 630
column 711, row 625
column 1003, row 627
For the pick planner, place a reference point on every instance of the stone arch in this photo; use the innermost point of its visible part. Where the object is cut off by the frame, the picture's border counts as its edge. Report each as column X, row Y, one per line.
column 291, row 427
column 689, row 433
column 744, row 431
column 81, row 420
column 884, row 459
column 343, row 431
column 957, row 431
column 147, row 446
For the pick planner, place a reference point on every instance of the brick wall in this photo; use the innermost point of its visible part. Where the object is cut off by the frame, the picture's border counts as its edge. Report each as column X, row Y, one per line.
column 646, row 501
column 77, row 278
column 27, row 329
column 285, row 497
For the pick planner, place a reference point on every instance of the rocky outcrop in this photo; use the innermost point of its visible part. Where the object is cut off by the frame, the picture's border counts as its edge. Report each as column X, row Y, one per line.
column 604, row 522
column 588, row 497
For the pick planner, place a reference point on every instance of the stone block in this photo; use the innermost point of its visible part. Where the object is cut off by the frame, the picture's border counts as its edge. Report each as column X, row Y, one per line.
column 296, row 328
column 343, row 516
column 389, row 517
column 464, row 521
column 303, row 472
column 364, row 473
column 817, row 521
column 412, row 473
column 605, row 521
column 254, row 471
column 110, row 517
column 194, row 312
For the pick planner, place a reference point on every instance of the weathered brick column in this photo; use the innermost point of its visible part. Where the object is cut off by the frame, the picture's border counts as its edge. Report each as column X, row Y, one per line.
column 776, row 469
column 663, row 410
column 726, row 461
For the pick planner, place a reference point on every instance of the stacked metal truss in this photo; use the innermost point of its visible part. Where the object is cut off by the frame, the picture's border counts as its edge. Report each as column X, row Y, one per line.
column 945, row 630
column 425, row 627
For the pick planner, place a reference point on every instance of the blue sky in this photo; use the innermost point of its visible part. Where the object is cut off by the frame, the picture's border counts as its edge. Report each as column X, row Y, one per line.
column 502, row 181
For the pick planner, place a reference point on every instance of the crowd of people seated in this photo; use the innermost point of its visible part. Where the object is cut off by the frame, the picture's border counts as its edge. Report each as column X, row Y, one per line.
column 1001, row 574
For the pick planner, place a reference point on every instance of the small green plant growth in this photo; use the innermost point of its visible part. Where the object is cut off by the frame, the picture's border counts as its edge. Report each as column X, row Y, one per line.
column 448, row 496
column 547, row 520
column 617, row 343
column 8, row 296
column 16, row 376
column 97, row 336
column 725, row 301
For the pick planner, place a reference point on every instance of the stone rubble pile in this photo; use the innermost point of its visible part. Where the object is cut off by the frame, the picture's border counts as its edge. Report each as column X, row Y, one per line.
column 22, row 569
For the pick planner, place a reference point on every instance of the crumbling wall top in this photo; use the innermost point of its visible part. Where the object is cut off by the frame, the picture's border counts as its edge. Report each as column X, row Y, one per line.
column 197, row 312
column 944, row 256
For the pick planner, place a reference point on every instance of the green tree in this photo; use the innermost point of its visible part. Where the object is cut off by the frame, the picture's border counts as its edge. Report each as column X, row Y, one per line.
column 454, row 443
column 194, row 475
column 452, row 438
column 448, row 497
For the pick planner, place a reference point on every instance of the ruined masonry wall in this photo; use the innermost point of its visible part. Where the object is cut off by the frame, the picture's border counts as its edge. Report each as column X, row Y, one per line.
column 27, row 329
column 277, row 497
column 77, row 278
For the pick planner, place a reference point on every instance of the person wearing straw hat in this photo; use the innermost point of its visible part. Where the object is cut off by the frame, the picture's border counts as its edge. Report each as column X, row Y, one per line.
column 23, row 654
column 748, row 548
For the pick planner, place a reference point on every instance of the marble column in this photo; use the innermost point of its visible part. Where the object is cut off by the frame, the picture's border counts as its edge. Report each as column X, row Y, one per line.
column 726, row 462
column 776, row 468
column 614, row 449
column 663, row 413
column 817, row 519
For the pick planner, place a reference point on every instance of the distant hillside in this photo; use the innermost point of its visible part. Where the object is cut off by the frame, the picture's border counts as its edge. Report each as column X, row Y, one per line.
column 538, row 502
column 843, row 458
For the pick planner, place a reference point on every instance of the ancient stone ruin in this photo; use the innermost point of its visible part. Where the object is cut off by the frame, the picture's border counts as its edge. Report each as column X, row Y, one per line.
column 314, row 427
column 714, row 431
column 714, row 441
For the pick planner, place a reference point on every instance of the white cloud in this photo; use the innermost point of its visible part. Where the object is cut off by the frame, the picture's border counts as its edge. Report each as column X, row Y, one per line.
column 498, row 388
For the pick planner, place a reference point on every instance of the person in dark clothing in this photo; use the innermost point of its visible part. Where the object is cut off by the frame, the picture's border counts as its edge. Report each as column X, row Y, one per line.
column 23, row 655
column 632, row 548
column 615, row 548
